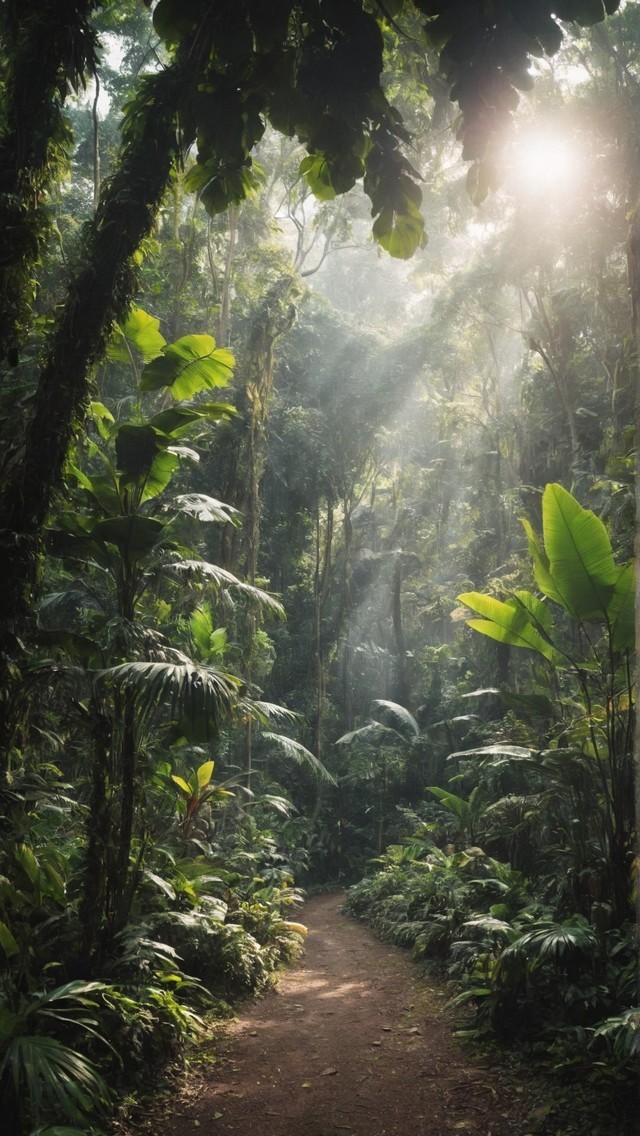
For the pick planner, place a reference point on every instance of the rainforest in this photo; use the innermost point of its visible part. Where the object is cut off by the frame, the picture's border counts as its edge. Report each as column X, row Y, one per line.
column 319, row 351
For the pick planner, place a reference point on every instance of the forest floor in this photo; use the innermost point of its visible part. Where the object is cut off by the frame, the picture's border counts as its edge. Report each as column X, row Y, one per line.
column 352, row 1041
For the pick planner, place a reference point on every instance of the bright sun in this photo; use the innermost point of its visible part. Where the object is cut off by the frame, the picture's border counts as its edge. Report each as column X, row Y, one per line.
column 546, row 164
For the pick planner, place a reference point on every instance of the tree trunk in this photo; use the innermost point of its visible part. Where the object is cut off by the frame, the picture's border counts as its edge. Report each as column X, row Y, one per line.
column 225, row 297
column 45, row 47
column 401, row 686
column 100, row 294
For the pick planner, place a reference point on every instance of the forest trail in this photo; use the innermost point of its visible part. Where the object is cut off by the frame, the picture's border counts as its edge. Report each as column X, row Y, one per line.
column 351, row 1042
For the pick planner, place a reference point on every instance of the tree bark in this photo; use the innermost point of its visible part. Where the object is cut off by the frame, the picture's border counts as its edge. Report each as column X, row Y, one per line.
column 99, row 294
column 46, row 47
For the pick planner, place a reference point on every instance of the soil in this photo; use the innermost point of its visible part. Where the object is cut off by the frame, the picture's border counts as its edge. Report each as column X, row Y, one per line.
column 352, row 1041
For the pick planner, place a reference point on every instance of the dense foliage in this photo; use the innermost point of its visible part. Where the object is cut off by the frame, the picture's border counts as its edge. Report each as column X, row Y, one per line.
column 317, row 562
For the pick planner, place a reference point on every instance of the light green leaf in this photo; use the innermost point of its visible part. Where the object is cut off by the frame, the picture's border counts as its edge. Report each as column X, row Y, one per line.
column 621, row 609
column 103, row 419
column 317, row 171
column 581, row 560
column 542, row 615
column 219, row 641
column 456, row 805
column 508, row 624
column 28, row 863
column 201, row 627
column 8, row 941
column 160, row 883
column 182, row 784
column 191, row 364
column 400, row 232
column 176, row 420
column 162, row 470
column 142, row 332
column 541, row 571
column 204, row 773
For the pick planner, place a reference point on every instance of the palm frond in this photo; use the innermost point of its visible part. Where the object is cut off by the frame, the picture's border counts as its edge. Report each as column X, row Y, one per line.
column 205, row 508
column 281, row 804
column 295, row 751
column 487, row 925
column 555, row 942
column 53, row 1074
column 499, row 749
column 622, row 1033
column 200, row 695
column 267, row 713
column 222, row 579
column 374, row 734
column 396, row 716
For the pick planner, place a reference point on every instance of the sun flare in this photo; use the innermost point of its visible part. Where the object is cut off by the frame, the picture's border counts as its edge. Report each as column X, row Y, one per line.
column 545, row 164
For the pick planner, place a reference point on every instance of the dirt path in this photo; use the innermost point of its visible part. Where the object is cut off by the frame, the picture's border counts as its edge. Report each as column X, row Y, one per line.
column 351, row 1042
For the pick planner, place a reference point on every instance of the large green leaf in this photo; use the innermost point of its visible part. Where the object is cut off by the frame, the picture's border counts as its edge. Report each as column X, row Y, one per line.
column 541, row 614
column 541, row 570
column 77, row 547
column 201, row 627
column 189, row 365
column 204, row 773
column 142, row 332
column 578, row 548
column 102, row 487
column 8, row 941
column 508, row 624
column 136, row 449
column 621, row 609
column 103, row 418
column 172, row 19
column 133, row 536
column 400, row 231
column 162, row 470
column 456, row 805
column 327, row 177
column 176, row 420
column 146, row 459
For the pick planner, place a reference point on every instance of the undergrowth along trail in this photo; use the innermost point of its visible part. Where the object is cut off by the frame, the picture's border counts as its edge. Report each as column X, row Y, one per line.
column 352, row 1041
